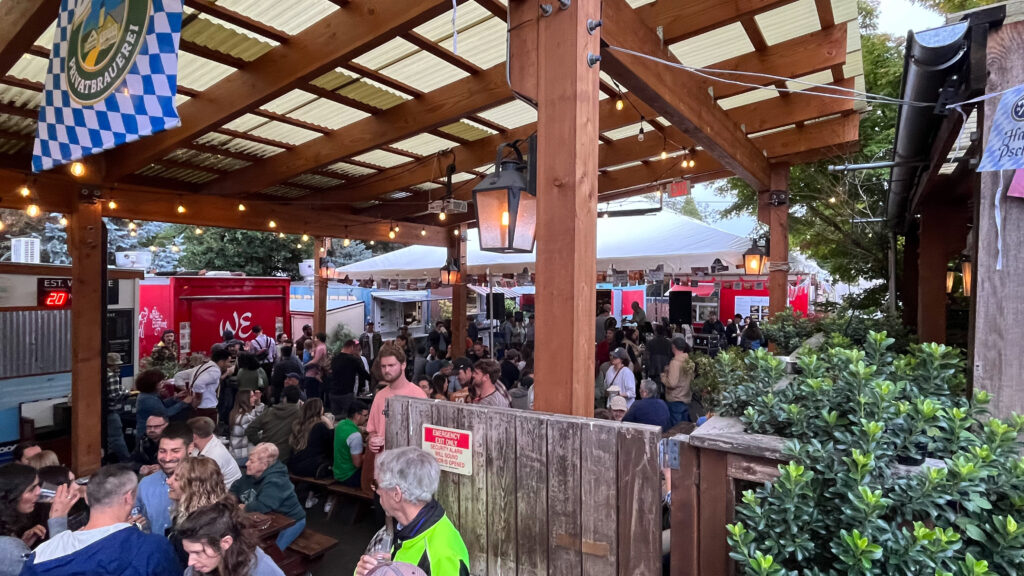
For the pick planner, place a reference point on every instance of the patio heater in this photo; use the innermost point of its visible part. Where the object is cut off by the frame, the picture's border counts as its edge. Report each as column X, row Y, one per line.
column 450, row 273
column 506, row 202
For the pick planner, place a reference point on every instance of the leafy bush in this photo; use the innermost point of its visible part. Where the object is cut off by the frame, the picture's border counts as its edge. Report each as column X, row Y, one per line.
column 713, row 375
column 844, row 505
column 337, row 338
column 789, row 329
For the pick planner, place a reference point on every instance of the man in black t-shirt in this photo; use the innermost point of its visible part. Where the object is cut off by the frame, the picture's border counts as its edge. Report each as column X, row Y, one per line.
column 346, row 369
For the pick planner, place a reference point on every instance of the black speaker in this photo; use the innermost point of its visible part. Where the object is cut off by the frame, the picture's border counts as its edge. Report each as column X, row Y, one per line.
column 498, row 305
column 680, row 307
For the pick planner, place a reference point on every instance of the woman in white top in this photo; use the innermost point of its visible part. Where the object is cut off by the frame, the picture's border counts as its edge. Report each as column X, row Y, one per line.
column 619, row 379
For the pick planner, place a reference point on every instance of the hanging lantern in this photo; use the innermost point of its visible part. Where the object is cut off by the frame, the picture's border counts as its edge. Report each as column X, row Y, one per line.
column 950, row 279
column 326, row 268
column 506, row 205
column 753, row 259
column 967, row 271
column 450, row 273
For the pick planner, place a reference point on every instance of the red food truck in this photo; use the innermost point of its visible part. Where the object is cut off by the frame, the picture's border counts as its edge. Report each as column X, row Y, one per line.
column 199, row 308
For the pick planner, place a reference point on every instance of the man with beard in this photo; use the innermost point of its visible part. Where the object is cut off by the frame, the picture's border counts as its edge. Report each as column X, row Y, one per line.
column 392, row 370
column 153, row 500
column 144, row 460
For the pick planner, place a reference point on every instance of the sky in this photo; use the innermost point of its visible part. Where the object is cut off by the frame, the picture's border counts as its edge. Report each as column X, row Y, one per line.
column 895, row 17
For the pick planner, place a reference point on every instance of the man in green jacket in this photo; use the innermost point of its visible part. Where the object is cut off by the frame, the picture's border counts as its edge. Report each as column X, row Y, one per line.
column 275, row 424
column 406, row 479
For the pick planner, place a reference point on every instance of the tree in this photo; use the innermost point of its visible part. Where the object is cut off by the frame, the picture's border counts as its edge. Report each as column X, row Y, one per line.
column 254, row 253
column 953, row 6
column 836, row 218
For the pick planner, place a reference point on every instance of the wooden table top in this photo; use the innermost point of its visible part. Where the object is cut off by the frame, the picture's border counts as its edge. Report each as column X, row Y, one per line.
column 268, row 526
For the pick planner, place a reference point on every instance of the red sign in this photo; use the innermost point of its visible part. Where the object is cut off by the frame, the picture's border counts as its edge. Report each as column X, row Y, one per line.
column 453, row 449
column 679, row 189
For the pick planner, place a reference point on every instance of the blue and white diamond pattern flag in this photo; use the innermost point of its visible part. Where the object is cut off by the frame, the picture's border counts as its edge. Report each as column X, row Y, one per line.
column 112, row 78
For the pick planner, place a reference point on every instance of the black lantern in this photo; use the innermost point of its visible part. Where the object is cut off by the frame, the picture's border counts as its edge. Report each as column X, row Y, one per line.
column 967, row 271
column 450, row 273
column 753, row 259
column 326, row 267
column 506, row 204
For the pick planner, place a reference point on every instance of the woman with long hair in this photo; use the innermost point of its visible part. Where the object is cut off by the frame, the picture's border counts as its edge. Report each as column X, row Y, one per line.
column 219, row 539
column 312, row 442
column 245, row 411
column 19, row 493
column 752, row 337
column 197, row 482
column 439, row 387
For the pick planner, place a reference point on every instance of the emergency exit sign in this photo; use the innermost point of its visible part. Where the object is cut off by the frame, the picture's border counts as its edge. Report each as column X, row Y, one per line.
column 453, row 449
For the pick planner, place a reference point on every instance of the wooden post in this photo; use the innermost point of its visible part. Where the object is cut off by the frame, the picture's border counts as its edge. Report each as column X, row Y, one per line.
column 999, row 307
column 457, row 253
column 943, row 234
column 567, row 131
column 85, row 246
column 319, row 286
column 778, row 227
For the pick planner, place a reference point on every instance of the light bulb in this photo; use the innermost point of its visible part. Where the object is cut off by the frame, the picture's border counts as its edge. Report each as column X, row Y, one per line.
column 32, row 210
column 619, row 104
column 63, row 221
column 442, row 216
column 152, row 248
column 199, row 231
column 346, row 242
column 504, row 218
column 280, row 235
column 423, row 232
column 664, row 155
column 456, row 232
column 24, row 191
column 175, row 249
column 832, row 200
column 112, row 205
column 133, row 233
column 2, row 225
column 391, row 234
column 372, row 242
column 299, row 245
column 397, row 228
column 693, row 163
column 640, row 136
column 241, row 207
column 181, row 208
column 131, row 225
column 77, row 169
column 272, row 224
column 323, row 250
column 305, row 238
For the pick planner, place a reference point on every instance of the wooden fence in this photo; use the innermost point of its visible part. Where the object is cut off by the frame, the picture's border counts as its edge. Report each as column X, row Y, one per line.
column 548, row 494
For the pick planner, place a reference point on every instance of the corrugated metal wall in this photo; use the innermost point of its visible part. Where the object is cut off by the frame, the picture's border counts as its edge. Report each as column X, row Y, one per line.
column 35, row 342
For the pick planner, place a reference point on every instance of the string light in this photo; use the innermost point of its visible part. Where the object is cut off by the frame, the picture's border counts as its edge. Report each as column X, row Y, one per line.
column 832, row 200
column 442, row 216
column 280, row 235
column 640, row 136
column 181, row 208
column 272, row 224
column 32, row 210
column 456, row 232
column 372, row 242
column 77, row 169
column 24, row 191
column 346, row 242
column 112, row 205
column 305, row 238
column 391, row 234
column 63, row 220
column 619, row 104
column 299, row 245
column 175, row 248
column 396, row 228
column 423, row 232
column 241, row 207
column 152, row 248
column 133, row 233
column 2, row 225
column 664, row 154
column 131, row 225
column 199, row 231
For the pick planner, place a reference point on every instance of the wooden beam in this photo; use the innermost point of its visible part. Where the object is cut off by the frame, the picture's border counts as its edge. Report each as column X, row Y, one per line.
column 795, row 108
column 567, row 128
column 676, row 94
column 86, row 246
column 429, row 111
column 23, row 22
column 778, row 228
column 682, row 20
column 244, row 22
column 335, row 39
column 791, row 145
column 424, row 43
column 319, row 287
column 11, row 110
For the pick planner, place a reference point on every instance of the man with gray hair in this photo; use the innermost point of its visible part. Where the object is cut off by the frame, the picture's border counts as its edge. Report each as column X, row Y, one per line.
column 405, row 479
column 108, row 544
column 649, row 409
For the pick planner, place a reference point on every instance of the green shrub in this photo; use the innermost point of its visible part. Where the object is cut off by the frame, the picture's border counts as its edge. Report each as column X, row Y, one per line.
column 789, row 330
column 844, row 505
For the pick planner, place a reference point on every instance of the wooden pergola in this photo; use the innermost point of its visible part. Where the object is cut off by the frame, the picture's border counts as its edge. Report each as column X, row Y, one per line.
column 337, row 118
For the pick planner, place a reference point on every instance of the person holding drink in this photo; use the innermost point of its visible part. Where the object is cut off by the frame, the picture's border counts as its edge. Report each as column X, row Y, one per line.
column 418, row 531
column 392, row 370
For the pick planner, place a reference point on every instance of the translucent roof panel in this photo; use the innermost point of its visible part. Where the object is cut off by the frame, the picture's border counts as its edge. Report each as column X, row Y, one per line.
column 196, row 15
column 426, row 186
column 30, row 67
column 789, row 21
column 291, row 101
column 245, row 123
column 381, row 158
column 350, row 169
column 216, row 35
column 844, row 10
column 17, row 125
column 281, row 132
column 199, row 73
column 176, row 173
column 468, row 14
column 328, row 114
column 633, row 130
column 468, row 130
column 424, row 72
column 284, row 191
column 374, row 94
column 239, row 145
column 714, row 46
column 316, row 181
column 20, row 97
column 207, row 160
column 386, row 54
column 511, row 115
column 804, row 82
column 46, row 38
column 424, row 144
column 334, row 79
column 483, row 44
column 290, row 17
column 747, row 98
column 462, row 177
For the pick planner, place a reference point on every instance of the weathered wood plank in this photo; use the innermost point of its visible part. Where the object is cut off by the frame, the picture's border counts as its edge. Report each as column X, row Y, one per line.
column 531, row 494
column 600, row 526
column 685, row 543
column 501, row 493
column 473, row 495
column 86, row 245
column 396, row 434
column 420, row 413
column 726, row 435
column 751, row 468
column 714, row 512
column 447, row 414
column 564, row 493
column 639, row 501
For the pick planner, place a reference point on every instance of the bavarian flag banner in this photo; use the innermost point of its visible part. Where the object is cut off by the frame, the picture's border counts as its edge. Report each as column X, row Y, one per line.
column 112, row 78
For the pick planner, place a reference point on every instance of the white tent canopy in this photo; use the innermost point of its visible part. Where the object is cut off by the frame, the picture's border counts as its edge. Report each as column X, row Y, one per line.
column 626, row 243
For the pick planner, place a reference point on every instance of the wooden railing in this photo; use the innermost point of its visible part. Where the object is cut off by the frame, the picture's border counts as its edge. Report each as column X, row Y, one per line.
column 548, row 494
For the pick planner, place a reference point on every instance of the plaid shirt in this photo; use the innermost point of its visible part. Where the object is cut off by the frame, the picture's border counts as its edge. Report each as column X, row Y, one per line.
column 115, row 392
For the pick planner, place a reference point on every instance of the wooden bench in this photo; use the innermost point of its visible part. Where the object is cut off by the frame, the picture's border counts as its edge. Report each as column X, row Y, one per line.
column 333, row 488
column 304, row 553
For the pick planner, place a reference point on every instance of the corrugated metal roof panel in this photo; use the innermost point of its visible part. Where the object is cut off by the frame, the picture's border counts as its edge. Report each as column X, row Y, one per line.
column 196, row 15
column 714, row 46
column 328, row 114
column 424, row 71
column 316, row 181
column 216, row 35
column 788, row 22
column 424, row 144
column 373, row 94
column 350, row 169
column 207, row 160
column 286, row 133
column 334, row 79
column 631, row 131
column 20, row 97
column 844, row 10
column 462, row 177
column 483, row 44
column 386, row 54
column 181, row 174
column 467, row 129
column 511, row 115
column 30, row 67
column 381, row 158
column 746, row 98
column 246, row 123
column 17, row 124
column 35, row 342
column 284, row 191
column 288, row 102
column 199, row 73
column 239, row 145
column 290, row 17
column 469, row 14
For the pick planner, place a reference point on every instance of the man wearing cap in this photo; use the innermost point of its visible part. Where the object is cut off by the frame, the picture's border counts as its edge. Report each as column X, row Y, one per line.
column 461, row 382
column 346, row 370
column 618, row 407
column 292, row 380
column 117, row 449
column 285, row 365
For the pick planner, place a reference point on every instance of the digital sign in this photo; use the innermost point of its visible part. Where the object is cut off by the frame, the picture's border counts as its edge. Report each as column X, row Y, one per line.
column 53, row 292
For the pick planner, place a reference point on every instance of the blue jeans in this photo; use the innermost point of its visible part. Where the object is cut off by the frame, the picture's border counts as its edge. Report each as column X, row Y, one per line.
column 288, row 535
column 679, row 412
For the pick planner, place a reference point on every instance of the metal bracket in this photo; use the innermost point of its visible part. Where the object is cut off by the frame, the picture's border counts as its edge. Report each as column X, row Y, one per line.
column 669, row 448
column 593, row 25
column 546, row 10
column 564, row 4
column 778, row 197
column 89, row 195
column 593, row 59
